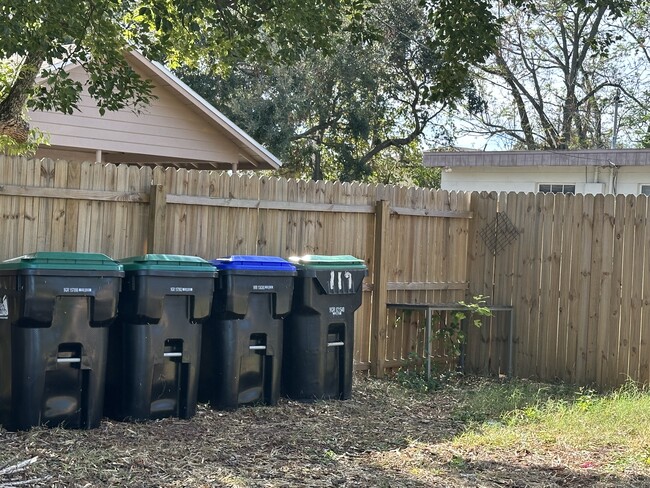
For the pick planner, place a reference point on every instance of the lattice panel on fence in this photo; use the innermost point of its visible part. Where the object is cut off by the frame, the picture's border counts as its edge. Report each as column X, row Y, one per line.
column 499, row 233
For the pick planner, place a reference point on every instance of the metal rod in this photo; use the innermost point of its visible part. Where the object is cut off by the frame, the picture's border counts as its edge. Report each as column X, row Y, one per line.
column 173, row 354
column 335, row 344
column 257, row 348
column 428, row 315
column 68, row 360
column 510, row 341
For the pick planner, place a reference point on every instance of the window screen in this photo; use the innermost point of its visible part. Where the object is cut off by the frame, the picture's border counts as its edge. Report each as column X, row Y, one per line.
column 557, row 188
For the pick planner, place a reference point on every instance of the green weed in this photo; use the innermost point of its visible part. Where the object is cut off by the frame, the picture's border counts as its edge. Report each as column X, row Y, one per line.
column 413, row 376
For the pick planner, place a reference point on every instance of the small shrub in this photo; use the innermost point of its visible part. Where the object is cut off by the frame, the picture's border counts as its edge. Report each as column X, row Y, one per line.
column 413, row 377
column 452, row 334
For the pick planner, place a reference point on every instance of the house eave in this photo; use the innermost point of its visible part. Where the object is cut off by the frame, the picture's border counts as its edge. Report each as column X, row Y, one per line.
column 583, row 157
column 252, row 152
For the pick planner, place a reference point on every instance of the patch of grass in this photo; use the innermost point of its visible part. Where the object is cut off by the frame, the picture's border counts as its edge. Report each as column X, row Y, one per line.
column 482, row 400
column 607, row 431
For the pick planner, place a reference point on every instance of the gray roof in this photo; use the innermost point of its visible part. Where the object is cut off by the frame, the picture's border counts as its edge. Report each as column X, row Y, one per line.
column 584, row 157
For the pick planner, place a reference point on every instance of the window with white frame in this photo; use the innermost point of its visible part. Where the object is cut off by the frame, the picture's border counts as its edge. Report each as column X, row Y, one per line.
column 645, row 190
column 556, row 188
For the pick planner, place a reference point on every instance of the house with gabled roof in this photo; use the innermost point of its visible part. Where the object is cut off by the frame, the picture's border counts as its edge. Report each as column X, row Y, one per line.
column 178, row 128
column 587, row 171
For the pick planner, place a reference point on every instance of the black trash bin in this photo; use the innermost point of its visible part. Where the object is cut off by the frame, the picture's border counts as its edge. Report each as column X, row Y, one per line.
column 155, row 346
column 241, row 359
column 55, row 313
column 319, row 332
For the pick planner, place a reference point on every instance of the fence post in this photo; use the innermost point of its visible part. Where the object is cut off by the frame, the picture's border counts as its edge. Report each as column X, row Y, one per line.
column 157, row 236
column 379, row 289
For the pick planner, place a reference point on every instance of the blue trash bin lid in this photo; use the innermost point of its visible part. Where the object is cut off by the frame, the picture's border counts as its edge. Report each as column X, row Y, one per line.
column 254, row 263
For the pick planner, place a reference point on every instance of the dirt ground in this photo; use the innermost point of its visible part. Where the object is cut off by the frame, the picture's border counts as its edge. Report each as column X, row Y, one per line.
column 385, row 436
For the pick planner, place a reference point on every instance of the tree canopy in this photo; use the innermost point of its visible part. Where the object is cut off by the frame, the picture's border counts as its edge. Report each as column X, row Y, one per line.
column 567, row 74
column 360, row 110
column 39, row 39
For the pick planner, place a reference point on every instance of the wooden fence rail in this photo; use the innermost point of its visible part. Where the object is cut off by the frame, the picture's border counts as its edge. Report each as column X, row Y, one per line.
column 574, row 269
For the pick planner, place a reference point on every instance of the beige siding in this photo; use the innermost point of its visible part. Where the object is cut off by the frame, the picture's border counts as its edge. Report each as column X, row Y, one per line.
column 167, row 128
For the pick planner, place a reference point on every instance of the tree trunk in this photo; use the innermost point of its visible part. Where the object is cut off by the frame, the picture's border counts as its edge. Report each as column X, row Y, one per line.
column 526, row 126
column 12, row 123
column 317, row 171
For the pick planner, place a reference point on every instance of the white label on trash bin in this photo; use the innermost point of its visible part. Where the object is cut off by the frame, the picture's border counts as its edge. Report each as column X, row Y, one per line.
column 337, row 278
column 337, row 310
column 4, row 308
column 181, row 289
column 348, row 277
column 262, row 287
column 77, row 290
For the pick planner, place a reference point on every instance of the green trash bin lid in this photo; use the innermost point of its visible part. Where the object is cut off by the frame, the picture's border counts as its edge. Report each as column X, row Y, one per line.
column 318, row 262
column 65, row 261
column 167, row 262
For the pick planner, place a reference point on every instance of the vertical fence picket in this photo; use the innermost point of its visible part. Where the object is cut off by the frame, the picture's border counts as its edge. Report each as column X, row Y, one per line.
column 476, row 254
column 219, row 216
column 9, row 240
column 503, row 277
column 58, row 215
column 30, row 220
column 602, row 287
column 263, row 218
column 97, row 179
column 584, row 279
column 628, row 272
column 139, row 182
column 528, row 287
column 251, row 192
column 394, row 266
column 553, row 311
column 644, row 334
column 110, row 210
column 193, row 229
column 519, row 267
column 122, row 209
column 19, row 171
column 564, row 317
column 44, row 207
column 615, row 295
column 545, row 312
column 637, row 286
column 575, row 320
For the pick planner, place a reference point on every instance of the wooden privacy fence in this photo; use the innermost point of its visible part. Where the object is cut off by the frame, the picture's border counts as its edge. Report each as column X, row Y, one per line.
column 413, row 240
column 573, row 268
column 576, row 270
